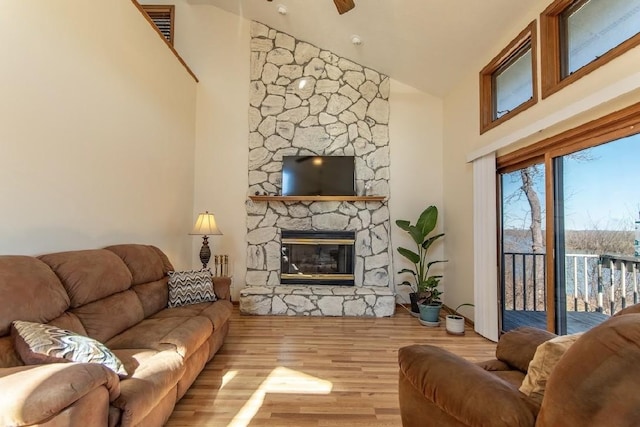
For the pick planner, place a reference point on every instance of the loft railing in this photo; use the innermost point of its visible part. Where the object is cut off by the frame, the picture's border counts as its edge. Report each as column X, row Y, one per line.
column 602, row 283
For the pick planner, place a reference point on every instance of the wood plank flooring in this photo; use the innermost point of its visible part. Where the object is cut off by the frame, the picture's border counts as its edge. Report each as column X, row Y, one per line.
column 312, row 371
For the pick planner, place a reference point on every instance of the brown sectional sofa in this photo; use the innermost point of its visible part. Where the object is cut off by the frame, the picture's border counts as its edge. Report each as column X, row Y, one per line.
column 593, row 384
column 118, row 296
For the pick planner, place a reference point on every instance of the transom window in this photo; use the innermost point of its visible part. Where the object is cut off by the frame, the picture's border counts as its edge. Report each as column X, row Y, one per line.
column 513, row 83
column 508, row 83
column 581, row 35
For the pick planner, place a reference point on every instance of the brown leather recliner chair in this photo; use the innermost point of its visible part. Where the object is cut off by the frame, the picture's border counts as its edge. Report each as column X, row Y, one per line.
column 595, row 383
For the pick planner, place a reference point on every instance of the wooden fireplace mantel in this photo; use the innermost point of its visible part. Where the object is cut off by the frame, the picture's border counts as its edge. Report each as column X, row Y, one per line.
column 318, row 198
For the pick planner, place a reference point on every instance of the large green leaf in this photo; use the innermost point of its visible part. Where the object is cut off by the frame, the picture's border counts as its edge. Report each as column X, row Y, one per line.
column 403, row 224
column 436, row 262
column 430, row 240
column 410, row 255
column 416, row 234
column 427, row 221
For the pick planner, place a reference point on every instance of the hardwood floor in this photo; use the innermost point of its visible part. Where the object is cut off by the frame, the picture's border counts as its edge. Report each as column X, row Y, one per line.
column 312, row 371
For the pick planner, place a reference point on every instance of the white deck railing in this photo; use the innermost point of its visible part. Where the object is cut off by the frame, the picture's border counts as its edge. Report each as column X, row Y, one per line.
column 603, row 283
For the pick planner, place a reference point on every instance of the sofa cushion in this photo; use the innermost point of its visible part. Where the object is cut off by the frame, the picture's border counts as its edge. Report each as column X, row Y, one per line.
column 37, row 344
column 190, row 287
column 218, row 312
column 513, row 377
column 36, row 393
column 153, row 295
column 596, row 382
column 494, row 365
column 183, row 335
column 109, row 316
column 156, row 377
column 70, row 322
column 134, row 358
column 89, row 275
column 145, row 262
column 518, row 346
column 30, row 291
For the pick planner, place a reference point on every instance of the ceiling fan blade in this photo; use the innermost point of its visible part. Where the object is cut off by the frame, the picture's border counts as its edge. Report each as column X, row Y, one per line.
column 344, row 6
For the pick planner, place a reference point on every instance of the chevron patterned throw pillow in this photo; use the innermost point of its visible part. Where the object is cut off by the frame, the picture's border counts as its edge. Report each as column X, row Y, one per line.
column 190, row 287
column 37, row 343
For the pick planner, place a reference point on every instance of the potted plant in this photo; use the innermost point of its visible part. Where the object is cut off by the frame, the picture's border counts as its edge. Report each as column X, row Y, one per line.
column 424, row 286
column 455, row 322
column 429, row 312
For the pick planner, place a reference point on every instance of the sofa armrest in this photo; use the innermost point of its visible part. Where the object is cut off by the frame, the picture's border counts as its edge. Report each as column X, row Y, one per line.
column 464, row 391
column 222, row 287
column 33, row 394
column 518, row 346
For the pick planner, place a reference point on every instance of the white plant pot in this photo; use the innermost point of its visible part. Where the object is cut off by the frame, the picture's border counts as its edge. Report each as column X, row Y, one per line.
column 455, row 324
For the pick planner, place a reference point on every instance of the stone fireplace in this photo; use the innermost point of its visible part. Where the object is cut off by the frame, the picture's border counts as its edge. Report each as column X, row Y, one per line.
column 309, row 101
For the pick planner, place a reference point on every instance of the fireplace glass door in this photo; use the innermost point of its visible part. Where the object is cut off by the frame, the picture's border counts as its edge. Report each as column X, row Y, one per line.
column 319, row 258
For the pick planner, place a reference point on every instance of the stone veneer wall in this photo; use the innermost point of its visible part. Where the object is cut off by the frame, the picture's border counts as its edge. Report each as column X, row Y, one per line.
column 309, row 101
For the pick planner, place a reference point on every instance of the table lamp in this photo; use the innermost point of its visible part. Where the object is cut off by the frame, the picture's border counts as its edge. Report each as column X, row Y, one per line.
column 205, row 226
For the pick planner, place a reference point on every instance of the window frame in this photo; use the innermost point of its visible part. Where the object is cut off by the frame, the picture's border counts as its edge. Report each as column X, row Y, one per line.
column 552, row 60
column 503, row 59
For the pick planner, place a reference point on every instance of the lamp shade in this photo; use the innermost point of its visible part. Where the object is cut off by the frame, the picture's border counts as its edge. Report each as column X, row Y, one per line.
column 206, row 225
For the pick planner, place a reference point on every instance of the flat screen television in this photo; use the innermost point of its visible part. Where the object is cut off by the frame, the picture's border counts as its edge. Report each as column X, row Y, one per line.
column 318, row 176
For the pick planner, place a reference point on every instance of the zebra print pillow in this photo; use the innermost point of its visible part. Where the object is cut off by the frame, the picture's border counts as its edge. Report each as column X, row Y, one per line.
column 190, row 287
column 37, row 343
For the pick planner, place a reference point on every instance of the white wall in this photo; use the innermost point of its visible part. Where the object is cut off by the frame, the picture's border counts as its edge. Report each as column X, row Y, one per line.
column 415, row 131
column 215, row 44
column 97, row 130
column 461, row 138
column 221, row 179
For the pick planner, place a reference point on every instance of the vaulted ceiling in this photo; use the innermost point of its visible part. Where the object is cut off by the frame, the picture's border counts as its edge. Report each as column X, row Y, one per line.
column 427, row 44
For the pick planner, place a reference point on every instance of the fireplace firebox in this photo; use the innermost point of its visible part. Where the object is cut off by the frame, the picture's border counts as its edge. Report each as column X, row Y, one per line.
column 317, row 257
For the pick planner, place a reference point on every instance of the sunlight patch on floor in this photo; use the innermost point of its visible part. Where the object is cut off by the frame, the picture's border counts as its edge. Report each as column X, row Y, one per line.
column 226, row 379
column 280, row 380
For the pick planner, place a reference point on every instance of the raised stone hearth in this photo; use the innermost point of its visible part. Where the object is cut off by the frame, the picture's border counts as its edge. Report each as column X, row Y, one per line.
column 317, row 301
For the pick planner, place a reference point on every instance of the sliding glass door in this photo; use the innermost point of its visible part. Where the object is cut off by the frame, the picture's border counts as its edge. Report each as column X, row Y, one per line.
column 523, row 247
column 569, row 209
column 596, row 204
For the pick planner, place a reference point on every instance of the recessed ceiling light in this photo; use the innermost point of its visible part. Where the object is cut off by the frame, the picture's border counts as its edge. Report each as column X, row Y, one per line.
column 282, row 9
column 356, row 40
